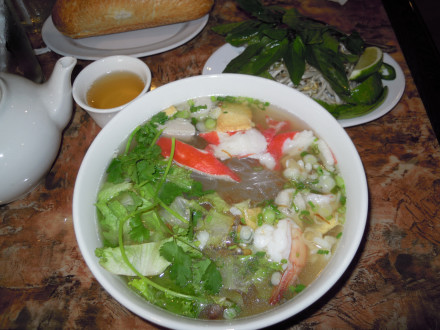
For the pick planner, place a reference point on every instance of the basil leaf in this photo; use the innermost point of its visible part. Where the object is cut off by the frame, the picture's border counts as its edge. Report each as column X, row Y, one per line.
column 268, row 14
column 238, row 62
column 243, row 33
column 311, row 31
column 292, row 18
column 353, row 42
column 349, row 58
column 274, row 33
column 224, row 29
column 266, row 74
column 331, row 67
column 294, row 59
column 270, row 53
column 328, row 41
column 347, row 111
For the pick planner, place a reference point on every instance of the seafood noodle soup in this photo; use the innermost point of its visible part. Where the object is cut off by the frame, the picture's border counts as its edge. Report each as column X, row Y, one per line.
column 220, row 208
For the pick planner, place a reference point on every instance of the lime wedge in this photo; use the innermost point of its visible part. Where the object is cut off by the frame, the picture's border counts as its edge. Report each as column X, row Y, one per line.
column 369, row 63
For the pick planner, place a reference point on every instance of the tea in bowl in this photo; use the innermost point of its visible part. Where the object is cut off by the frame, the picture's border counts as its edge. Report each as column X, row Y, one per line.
column 108, row 85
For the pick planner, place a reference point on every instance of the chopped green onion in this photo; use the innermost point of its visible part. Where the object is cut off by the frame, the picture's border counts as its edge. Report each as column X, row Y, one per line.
column 305, row 216
column 194, row 108
column 315, row 149
column 339, row 181
column 260, row 219
column 231, row 313
column 299, row 185
column 210, row 124
column 182, row 114
column 295, row 208
column 319, row 170
column 297, row 288
column 269, row 215
column 343, row 200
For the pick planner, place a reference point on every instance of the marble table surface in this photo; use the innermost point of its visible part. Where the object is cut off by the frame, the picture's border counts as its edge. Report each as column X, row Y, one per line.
column 393, row 282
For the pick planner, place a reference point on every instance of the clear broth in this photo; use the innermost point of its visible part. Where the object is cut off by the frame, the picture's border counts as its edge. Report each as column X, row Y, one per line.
column 114, row 89
column 257, row 185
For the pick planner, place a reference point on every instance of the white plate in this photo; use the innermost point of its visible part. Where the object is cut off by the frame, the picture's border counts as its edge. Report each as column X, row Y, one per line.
column 222, row 56
column 135, row 43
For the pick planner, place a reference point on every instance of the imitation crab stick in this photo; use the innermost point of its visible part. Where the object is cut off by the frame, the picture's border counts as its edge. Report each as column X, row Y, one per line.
column 275, row 147
column 211, row 137
column 273, row 128
column 248, row 143
column 196, row 159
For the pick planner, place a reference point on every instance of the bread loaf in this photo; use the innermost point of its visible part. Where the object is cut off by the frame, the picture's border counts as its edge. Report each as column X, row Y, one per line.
column 87, row 18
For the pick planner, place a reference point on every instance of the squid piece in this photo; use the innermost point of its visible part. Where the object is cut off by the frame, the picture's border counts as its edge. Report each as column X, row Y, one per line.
column 196, row 159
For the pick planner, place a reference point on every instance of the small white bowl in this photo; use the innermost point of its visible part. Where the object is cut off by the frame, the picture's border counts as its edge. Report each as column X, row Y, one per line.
column 99, row 68
column 110, row 139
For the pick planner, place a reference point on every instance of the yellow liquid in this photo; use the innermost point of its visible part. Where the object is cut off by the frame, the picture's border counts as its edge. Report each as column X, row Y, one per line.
column 114, row 89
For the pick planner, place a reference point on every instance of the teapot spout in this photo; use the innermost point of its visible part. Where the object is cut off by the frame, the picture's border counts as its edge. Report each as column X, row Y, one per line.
column 57, row 92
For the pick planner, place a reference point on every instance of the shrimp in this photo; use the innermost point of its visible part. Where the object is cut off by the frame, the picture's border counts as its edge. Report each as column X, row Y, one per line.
column 296, row 262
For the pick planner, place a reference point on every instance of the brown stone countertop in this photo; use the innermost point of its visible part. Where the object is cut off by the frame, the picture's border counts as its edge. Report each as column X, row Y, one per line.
column 393, row 282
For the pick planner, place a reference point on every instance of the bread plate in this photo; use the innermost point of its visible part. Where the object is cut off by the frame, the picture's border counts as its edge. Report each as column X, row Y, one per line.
column 138, row 43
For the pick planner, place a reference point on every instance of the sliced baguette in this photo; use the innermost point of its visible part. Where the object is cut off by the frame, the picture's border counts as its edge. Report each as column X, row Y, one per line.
column 87, row 18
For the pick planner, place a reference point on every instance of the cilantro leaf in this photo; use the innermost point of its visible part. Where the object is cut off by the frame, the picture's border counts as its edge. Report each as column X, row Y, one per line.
column 212, row 279
column 199, row 269
column 114, row 171
column 138, row 232
column 180, row 269
column 145, row 170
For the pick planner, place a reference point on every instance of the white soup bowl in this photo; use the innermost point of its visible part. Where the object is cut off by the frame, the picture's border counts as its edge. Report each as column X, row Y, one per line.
column 92, row 174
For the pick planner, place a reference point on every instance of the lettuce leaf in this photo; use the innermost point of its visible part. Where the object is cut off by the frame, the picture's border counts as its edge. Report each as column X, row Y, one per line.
column 179, row 305
column 146, row 258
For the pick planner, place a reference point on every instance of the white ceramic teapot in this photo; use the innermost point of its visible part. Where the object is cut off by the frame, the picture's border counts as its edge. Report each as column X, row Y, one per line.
column 32, row 117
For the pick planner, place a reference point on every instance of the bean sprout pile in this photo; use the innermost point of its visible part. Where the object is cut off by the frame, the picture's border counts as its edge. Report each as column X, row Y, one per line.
column 313, row 84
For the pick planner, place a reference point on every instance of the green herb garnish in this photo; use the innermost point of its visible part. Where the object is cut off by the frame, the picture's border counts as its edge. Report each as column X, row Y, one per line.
column 275, row 34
